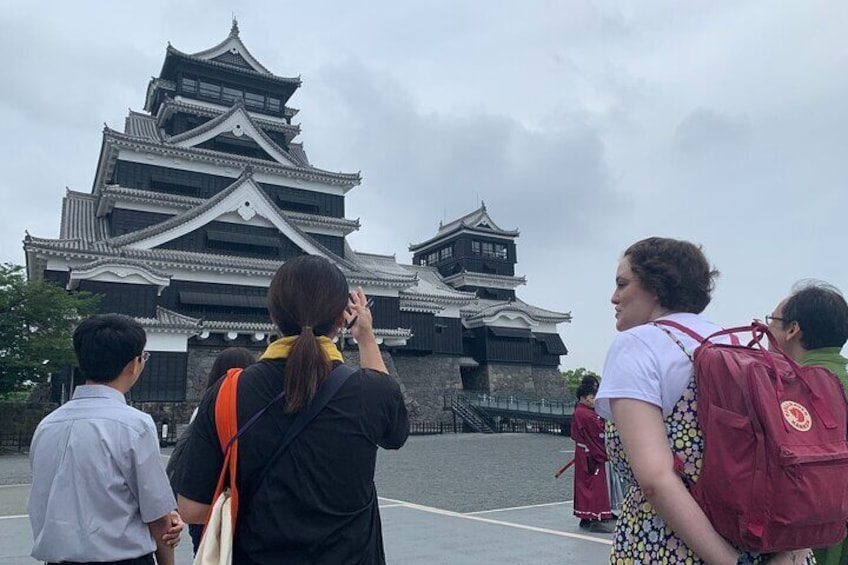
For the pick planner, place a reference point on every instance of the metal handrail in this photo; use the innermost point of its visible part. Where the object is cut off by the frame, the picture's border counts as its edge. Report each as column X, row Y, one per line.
column 514, row 403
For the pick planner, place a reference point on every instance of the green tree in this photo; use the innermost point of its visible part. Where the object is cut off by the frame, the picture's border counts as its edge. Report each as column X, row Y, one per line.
column 573, row 377
column 37, row 320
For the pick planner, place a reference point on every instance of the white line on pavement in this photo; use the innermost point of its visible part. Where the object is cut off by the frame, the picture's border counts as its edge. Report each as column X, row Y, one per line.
column 451, row 514
column 18, row 517
column 18, row 485
column 519, row 507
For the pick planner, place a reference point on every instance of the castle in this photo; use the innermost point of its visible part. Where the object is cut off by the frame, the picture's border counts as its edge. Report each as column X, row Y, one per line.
column 205, row 193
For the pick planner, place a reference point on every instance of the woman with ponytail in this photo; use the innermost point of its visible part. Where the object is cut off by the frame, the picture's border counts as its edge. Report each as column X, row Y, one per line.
column 316, row 502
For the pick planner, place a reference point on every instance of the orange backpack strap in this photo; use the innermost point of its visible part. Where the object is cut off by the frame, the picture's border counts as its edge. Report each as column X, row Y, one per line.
column 226, row 424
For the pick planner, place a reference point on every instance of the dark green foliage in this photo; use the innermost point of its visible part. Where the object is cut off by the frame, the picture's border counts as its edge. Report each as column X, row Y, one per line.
column 36, row 323
column 573, row 377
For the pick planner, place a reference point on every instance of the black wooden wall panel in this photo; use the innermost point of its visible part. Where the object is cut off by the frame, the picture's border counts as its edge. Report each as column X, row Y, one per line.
column 423, row 331
column 202, row 185
column 171, row 299
column 59, row 277
column 199, row 242
column 541, row 355
column 163, row 378
column 331, row 242
column 448, row 335
column 386, row 312
column 123, row 298
column 123, row 221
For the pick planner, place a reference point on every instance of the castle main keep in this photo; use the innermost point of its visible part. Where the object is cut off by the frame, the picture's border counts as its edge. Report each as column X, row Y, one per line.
column 203, row 195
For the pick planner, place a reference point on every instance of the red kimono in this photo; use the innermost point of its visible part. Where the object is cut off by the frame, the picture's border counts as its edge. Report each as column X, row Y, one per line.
column 591, row 497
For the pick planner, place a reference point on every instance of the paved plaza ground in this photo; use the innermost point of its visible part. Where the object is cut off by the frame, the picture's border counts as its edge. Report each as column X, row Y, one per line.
column 446, row 499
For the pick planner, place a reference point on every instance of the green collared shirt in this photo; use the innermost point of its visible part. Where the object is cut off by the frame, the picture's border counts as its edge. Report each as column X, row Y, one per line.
column 831, row 359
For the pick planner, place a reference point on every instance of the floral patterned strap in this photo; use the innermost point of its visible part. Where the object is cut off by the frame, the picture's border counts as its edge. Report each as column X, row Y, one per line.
column 677, row 341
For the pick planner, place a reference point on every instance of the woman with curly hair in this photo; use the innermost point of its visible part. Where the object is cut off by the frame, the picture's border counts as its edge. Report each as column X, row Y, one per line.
column 649, row 398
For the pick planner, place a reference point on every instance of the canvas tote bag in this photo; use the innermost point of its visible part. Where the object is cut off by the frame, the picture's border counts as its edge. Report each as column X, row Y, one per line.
column 216, row 545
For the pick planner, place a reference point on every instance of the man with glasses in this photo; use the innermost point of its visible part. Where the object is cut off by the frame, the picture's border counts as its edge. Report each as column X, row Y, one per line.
column 99, row 489
column 811, row 326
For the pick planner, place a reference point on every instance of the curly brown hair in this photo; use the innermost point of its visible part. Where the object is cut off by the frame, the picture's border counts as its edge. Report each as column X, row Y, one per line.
column 677, row 271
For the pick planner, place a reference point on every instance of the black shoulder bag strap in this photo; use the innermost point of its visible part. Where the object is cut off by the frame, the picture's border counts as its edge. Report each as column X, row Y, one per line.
column 328, row 390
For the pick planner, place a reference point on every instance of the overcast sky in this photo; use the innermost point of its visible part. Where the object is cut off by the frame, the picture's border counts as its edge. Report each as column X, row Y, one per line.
column 585, row 125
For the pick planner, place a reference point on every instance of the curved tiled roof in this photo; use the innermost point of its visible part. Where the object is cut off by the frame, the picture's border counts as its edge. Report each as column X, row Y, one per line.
column 169, row 320
column 431, row 287
column 484, row 308
column 79, row 220
column 191, row 260
column 142, row 126
column 478, row 221
column 179, row 220
column 122, row 261
column 236, row 161
column 172, row 51
column 291, row 130
column 234, row 39
column 237, row 108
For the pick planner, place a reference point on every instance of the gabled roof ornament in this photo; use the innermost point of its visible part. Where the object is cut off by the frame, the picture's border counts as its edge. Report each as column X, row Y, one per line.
column 483, row 205
column 234, row 31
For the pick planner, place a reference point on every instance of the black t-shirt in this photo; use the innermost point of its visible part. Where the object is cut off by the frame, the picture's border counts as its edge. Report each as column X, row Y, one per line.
column 317, row 503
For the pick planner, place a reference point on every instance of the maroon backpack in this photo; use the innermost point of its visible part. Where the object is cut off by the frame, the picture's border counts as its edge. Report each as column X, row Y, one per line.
column 775, row 459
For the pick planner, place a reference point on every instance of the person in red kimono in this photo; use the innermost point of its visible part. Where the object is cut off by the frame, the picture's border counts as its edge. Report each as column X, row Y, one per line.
column 591, row 496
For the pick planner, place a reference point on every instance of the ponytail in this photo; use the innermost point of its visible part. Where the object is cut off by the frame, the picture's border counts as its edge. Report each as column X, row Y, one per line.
column 307, row 297
column 306, row 368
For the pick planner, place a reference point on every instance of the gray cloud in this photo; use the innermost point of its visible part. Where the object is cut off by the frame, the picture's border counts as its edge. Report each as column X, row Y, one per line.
column 584, row 126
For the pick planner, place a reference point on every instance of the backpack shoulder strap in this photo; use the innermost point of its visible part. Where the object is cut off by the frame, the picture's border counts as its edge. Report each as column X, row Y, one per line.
column 332, row 384
column 661, row 324
column 681, row 327
column 226, row 424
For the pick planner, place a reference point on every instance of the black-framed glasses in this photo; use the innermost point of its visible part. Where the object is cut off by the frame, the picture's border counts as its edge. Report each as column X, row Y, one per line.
column 145, row 355
column 769, row 318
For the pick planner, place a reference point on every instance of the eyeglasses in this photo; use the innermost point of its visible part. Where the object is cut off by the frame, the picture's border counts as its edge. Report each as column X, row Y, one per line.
column 145, row 355
column 769, row 318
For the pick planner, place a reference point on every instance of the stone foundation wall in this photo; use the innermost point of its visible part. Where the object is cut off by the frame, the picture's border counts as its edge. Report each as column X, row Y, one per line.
column 424, row 382
column 510, row 378
column 545, row 382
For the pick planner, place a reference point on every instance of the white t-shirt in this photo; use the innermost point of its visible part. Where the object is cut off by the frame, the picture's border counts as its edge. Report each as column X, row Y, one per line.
column 645, row 363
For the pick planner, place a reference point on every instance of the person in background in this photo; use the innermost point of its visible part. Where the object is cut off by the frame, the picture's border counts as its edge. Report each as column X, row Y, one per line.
column 591, row 497
column 811, row 326
column 317, row 502
column 99, row 490
column 229, row 358
column 649, row 398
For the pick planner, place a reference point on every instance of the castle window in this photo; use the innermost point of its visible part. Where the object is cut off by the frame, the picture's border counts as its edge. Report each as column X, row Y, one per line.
column 433, row 258
column 253, row 100
column 446, row 253
column 231, row 94
column 209, row 90
column 487, row 249
column 189, row 85
column 274, row 105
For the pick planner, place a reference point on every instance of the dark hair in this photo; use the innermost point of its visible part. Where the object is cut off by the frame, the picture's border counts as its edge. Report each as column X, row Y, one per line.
column 306, row 297
column 677, row 271
column 105, row 343
column 230, row 358
column 588, row 386
column 821, row 312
